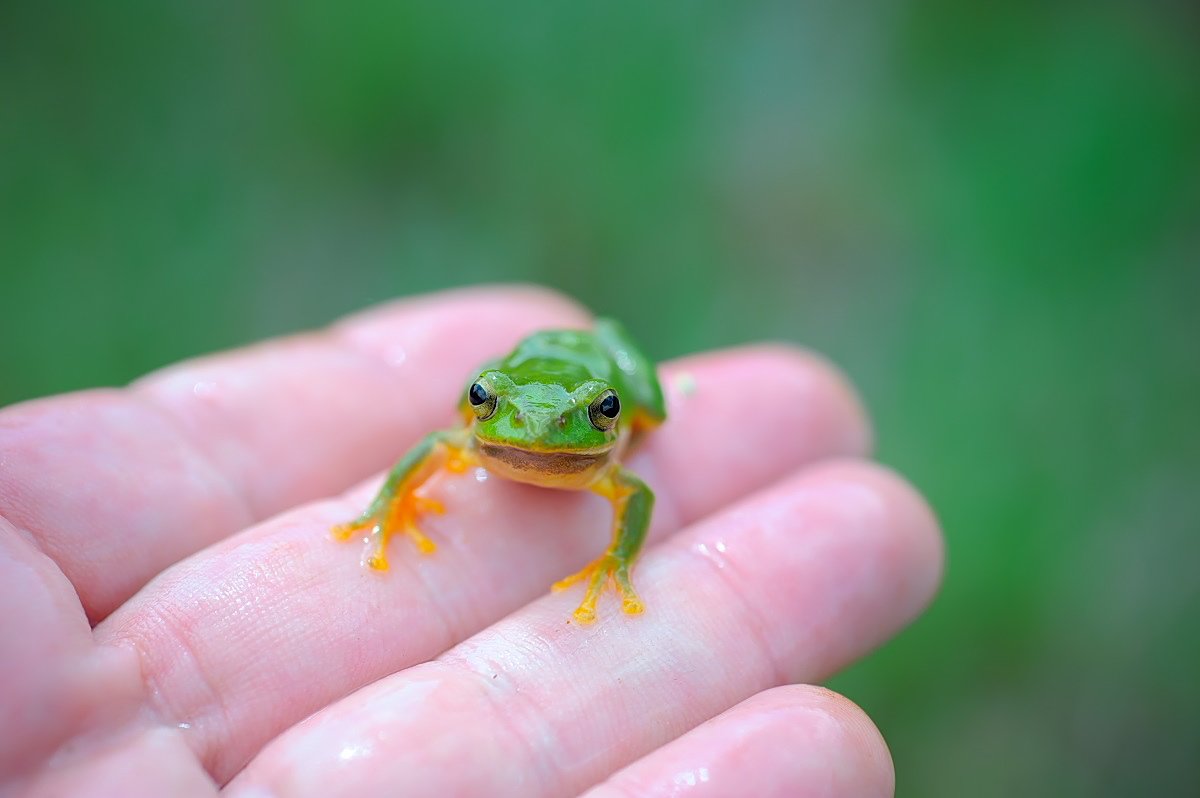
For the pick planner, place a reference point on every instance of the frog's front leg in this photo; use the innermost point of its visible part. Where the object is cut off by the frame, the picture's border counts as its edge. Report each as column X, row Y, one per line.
column 396, row 507
column 632, row 502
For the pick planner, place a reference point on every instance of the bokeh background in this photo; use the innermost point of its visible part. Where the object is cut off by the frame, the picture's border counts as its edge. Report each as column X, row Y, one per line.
column 989, row 217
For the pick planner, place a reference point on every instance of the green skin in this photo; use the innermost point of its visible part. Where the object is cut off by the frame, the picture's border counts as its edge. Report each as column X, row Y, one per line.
column 541, row 423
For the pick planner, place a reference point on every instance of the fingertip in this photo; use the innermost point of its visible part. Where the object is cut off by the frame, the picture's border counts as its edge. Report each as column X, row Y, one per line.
column 804, row 383
column 917, row 542
column 751, row 415
column 539, row 303
column 826, row 381
column 831, row 563
column 864, row 758
column 793, row 740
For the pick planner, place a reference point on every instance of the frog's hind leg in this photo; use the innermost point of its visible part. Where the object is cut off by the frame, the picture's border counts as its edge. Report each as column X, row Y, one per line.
column 632, row 502
column 398, row 504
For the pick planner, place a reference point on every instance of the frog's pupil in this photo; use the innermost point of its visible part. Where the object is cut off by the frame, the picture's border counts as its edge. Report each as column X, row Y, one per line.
column 610, row 405
column 477, row 395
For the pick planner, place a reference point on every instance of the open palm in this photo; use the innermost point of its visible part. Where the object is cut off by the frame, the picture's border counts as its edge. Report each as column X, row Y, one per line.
column 177, row 620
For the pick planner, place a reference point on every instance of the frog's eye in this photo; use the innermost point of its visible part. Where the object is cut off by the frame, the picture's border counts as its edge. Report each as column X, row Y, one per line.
column 604, row 410
column 483, row 401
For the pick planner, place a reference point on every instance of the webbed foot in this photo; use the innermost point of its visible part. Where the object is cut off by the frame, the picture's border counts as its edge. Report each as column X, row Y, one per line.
column 400, row 516
column 608, row 567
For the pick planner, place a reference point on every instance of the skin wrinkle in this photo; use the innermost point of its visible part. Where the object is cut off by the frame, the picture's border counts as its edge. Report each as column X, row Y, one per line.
column 163, row 616
column 507, row 720
column 209, row 708
column 155, row 697
column 451, row 630
column 244, row 507
column 545, row 752
column 753, row 619
column 146, row 390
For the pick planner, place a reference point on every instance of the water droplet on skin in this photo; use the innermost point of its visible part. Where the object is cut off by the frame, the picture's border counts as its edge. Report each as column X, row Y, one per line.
column 353, row 751
column 185, row 726
column 395, row 355
column 712, row 556
column 690, row 778
column 204, row 389
column 481, row 475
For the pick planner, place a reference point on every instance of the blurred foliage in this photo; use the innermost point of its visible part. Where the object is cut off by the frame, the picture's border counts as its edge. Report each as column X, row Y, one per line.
column 988, row 217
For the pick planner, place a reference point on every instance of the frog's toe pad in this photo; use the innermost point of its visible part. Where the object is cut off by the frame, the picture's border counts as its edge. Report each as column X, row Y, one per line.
column 419, row 539
column 347, row 530
column 375, row 559
column 584, row 615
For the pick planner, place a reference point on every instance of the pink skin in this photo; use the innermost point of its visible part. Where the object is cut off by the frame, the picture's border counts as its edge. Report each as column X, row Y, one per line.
column 752, row 578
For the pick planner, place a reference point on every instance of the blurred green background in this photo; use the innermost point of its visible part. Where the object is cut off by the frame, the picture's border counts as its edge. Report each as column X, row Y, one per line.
column 989, row 218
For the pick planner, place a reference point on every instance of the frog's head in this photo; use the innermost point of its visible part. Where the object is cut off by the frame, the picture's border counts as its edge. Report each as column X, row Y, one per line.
column 545, row 432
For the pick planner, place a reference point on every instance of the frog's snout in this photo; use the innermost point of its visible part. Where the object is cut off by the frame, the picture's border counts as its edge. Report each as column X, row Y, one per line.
column 538, row 420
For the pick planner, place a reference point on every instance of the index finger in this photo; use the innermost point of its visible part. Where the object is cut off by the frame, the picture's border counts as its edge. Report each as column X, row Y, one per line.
column 115, row 485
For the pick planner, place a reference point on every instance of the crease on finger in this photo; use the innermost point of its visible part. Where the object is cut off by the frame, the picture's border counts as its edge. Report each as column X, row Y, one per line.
column 204, row 692
column 752, row 618
column 243, row 506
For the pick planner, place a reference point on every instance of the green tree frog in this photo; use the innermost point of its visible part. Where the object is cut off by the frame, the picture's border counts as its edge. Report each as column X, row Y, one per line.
column 560, row 411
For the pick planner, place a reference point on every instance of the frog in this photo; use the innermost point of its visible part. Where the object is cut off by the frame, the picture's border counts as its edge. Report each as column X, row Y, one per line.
column 561, row 411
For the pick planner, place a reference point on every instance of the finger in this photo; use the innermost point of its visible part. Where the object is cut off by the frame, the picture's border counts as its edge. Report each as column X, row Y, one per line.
column 248, row 637
column 152, row 763
column 116, row 485
column 786, row 742
column 54, row 684
column 789, row 585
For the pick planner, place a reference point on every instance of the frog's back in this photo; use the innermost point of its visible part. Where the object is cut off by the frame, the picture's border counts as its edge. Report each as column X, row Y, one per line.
column 605, row 352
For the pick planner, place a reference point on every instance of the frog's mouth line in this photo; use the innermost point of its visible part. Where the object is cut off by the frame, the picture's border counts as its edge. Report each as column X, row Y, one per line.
column 562, row 462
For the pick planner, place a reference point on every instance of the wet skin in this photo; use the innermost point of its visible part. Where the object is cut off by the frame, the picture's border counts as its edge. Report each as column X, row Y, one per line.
column 560, row 411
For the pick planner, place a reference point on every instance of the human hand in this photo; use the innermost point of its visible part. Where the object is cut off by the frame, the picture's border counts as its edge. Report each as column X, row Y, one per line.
column 176, row 618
